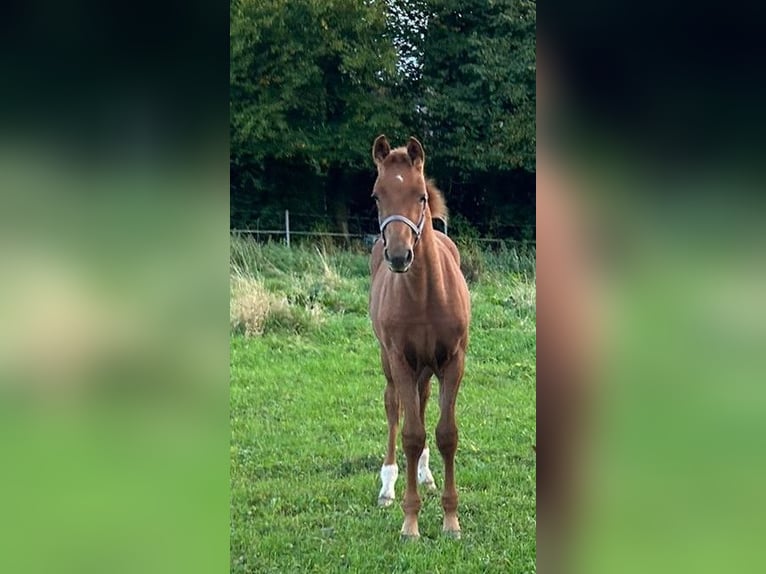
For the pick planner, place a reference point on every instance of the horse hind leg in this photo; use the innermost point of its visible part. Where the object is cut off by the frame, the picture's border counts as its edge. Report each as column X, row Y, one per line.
column 390, row 471
column 424, row 471
column 425, row 477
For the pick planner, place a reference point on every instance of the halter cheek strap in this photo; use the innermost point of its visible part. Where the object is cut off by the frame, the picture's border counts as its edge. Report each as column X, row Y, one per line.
column 416, row 229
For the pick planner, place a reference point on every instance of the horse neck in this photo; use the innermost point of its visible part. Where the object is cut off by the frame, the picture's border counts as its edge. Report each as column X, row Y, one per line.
column 426, row 268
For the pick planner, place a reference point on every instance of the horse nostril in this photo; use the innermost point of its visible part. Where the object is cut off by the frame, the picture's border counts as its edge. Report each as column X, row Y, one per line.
column 409, row 255
column 385, row 254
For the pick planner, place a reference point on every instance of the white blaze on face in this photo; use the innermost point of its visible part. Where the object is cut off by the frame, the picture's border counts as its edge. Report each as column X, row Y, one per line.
column 400, row 178
column 388, row 476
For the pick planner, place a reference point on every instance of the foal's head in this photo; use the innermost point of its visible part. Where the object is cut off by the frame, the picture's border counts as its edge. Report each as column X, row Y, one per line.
column 402, row 199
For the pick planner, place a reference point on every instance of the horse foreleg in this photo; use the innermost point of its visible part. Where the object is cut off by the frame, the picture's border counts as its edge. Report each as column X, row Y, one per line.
column 390, row 471
column 447, row 438
column 413, row 441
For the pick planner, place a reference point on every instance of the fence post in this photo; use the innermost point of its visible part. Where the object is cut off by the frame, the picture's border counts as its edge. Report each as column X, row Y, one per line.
column 287, row 226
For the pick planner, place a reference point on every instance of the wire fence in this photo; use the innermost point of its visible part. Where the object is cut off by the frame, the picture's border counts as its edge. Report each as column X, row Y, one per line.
column 364, row 230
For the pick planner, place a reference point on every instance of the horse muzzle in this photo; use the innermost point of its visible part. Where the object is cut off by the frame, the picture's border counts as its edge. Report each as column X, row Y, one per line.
column 398, row 262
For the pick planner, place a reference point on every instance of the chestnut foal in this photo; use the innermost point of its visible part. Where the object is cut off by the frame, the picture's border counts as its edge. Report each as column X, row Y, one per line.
column 420, row 310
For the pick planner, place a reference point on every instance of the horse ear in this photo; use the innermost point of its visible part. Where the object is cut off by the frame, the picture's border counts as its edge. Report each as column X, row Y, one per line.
column 380, row 149
column 416, row 153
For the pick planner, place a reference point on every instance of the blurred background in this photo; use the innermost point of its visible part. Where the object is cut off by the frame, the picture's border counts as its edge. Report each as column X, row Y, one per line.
column 113, row 289
column 651, row 324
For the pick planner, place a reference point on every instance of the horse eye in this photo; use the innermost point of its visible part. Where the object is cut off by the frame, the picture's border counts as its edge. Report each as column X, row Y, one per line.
column 375, row 197
column 423, row 199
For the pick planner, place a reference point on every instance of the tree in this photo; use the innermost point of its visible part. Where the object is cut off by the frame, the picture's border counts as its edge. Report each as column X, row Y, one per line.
column 478, row 84
column 313, row 82
column 310, row 89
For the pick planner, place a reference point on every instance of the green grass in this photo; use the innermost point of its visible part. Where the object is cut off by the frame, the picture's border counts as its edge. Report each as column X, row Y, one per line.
column 308, row 426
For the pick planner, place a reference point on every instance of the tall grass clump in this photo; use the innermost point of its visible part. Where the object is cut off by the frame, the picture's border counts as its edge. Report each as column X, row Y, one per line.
column 478, row 259
column 250, row 304
column 303, row 283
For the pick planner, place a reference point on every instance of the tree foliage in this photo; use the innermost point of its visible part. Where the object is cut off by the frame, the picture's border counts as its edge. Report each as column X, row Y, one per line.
column 314, row 81
column 478, row 83
column 307, row 78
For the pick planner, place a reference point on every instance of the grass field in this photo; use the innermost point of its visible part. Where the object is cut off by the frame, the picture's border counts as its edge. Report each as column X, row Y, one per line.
column 308, row 425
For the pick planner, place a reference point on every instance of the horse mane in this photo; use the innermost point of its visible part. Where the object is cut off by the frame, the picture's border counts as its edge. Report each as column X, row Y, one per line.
column 436, row 201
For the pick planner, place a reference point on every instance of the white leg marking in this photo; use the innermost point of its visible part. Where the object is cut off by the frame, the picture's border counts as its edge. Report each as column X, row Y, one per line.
column 388, row 476
column 424, row 472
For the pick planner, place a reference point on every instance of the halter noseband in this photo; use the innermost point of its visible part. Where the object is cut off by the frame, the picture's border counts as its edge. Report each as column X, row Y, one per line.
column 416, row 229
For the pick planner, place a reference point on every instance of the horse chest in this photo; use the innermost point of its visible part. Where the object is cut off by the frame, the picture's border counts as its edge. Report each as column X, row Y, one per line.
column 422, row 338
column 429, row 315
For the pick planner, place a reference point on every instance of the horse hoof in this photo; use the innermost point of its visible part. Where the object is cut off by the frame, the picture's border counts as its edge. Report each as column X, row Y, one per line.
column 385, row 502
column 453, row 534
column 429, row 485
column 409, row 537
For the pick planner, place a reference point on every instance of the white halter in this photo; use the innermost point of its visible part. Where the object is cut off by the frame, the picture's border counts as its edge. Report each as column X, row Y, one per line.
column 416, row 228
